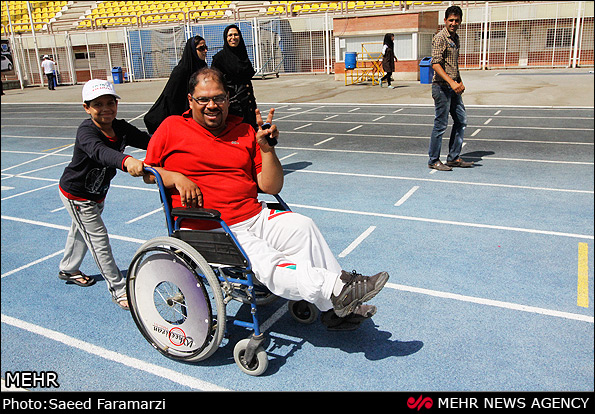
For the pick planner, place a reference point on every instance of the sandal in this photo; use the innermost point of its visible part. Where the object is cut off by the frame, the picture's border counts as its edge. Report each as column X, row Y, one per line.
column 74, row 278
column 119, row 301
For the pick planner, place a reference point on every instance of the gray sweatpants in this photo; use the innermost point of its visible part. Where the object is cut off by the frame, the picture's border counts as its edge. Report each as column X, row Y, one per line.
column 88, row 232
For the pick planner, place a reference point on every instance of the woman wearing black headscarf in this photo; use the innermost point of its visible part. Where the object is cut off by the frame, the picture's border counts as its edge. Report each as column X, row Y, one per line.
column 388, row 59
column 237, row 69
column 174, row 98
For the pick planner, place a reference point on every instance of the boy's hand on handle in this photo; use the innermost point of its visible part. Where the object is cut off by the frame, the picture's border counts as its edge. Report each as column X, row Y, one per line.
column 134, row 167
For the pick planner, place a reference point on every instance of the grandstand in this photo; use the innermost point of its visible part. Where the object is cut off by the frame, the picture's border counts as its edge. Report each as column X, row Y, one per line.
column 57, row 16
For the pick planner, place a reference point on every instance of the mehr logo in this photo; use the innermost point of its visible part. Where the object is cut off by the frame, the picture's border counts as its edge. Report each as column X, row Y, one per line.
column 32, row 379
column 420, row 402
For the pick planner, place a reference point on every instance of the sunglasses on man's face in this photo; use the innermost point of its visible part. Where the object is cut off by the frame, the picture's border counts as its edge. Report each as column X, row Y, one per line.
column 202, row 48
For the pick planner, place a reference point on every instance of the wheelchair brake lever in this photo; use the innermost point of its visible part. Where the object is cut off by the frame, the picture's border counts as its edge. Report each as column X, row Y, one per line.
column 272, row 141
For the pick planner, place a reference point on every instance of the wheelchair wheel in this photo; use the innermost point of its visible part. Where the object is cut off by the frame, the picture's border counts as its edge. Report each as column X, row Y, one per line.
column 303, row 311
column 170, row 290
column 259, row 363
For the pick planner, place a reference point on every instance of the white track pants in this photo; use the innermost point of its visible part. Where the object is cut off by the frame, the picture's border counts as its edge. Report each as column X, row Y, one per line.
column 289, row 256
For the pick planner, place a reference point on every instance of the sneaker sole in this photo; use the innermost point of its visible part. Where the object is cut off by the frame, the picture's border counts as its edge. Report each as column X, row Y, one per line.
column 349, row 308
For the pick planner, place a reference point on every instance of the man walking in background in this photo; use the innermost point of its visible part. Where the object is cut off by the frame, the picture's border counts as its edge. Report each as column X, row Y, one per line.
column 49, row 68
column 447, row 90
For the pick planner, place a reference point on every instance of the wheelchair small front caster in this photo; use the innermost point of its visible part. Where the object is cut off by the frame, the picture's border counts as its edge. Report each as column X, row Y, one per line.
column 303, row 311
column 259, row 361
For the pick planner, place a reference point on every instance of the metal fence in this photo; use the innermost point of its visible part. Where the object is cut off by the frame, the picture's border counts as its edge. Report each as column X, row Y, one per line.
column 554, row 34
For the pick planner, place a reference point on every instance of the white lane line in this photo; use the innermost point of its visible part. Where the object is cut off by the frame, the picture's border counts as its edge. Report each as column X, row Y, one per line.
column 324, row 141
column 67, row 228
column 491, row 302
column 331, row 117
column 135, row 363
column 354, row 128
column 476, row 132
column 447, row 222
column 435, row 180
column 378, row 119
column 30, row 191
column 497, row 112
column 488, row 121
column 150, row 213
column 303, row 126
column 287, row 156
column 33, row 263
column 353, row 110
column 406, row 196
column 357, row 241
column 398, row 110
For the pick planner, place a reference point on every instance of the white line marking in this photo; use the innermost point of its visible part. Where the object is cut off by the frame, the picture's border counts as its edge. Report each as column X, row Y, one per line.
column 331, row 117
column 287, row 156
column 353, row 110
column 58, row 209
column 357, row 241
column 265, row 326
column 377, row 119
column 303, row 126
column 398, row 110
column 447, row 222
column 433, row 180
column 488, row 121
column 324, row 141
column 491, row 302
column 33, row 263
column 67, row 228
column 30, row 191
column 4, row 187
column 354, row 128
column 38, row 158
column 141, row 115
column 476, row 132
column 150, row 213
column 406, row 196
column 135, row 363
column 497, row 112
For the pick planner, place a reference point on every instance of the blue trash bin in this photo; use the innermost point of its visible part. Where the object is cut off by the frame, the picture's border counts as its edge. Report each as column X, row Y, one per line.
column 350, row 60
column 117, row 74
column 426, row 72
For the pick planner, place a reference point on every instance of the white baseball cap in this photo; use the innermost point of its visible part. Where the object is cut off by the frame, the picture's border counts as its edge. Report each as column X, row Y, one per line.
column 96, row 88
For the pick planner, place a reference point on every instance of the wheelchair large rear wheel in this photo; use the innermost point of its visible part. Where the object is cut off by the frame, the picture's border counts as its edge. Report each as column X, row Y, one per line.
column 176, row 300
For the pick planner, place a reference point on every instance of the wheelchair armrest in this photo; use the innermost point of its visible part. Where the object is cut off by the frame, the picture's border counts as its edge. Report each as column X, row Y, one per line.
column 196, row 213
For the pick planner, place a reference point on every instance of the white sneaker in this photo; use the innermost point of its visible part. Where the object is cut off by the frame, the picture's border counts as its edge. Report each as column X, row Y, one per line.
column 391, row 87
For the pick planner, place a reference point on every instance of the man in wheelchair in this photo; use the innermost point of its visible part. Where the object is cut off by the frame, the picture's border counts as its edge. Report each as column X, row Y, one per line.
column 210, row 159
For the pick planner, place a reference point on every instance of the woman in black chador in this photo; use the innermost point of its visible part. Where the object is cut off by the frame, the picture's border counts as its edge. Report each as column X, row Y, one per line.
column 388, row 59
column 237, row 69
column 174, row 98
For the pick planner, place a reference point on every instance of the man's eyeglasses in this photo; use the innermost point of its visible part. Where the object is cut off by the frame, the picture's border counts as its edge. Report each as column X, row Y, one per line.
column 204, row 100
column 202, row 48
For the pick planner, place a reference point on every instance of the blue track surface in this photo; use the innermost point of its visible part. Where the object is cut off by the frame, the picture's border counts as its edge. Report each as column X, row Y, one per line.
column 483, row 262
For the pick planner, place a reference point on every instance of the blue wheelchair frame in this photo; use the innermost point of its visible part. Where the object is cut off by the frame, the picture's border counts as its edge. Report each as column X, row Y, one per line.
column 174, row 230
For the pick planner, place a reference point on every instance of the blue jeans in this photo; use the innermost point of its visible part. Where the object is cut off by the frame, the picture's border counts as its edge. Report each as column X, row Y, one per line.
column 447, row 101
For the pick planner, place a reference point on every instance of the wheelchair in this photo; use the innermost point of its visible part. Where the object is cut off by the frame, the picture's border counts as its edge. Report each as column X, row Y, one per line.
column 178, row 287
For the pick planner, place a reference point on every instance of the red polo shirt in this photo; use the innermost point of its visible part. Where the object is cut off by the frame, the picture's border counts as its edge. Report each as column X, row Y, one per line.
column 224, row 166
